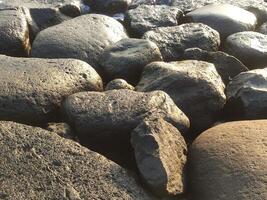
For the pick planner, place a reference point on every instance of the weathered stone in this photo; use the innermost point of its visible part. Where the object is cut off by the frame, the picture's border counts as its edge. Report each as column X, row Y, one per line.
column 37, row 164
column 31, row 90
column 194, row 86
column 147, row 17
column 160, row 152
column 118, row 84
column 83, row 37
column 109, row 6
column 172, row 41
column 72, row 9
column 63, row 130
column 227, row 66
column 263, row 28
column 224, row 18
column 127, row 58
column 229, row 162
column 136, row 3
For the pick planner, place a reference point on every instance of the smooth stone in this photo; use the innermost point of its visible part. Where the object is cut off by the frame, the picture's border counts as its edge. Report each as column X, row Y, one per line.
column 127, row 58
column 224, row 18
column 31, row 89
column 118, row 84
column 38, row 164
column 249, row 47
column 161, row 154
column 227, row 66
column 195, row 87
column 263, row 29
column 147, row 17
column 83, row 38
column 173, row 41
column 229, row 162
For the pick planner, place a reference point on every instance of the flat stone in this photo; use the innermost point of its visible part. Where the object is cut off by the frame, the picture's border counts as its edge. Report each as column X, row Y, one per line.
column 118, row 84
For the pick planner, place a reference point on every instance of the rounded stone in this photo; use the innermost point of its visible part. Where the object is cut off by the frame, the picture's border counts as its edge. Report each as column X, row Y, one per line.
column 118, row 84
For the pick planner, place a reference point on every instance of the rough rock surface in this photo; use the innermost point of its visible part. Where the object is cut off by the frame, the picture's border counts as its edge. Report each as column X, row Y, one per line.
column 109, row 6
column 127, row 58
column 37, row 164
column 63, row 130
column 31, row 89
column 118, row 84
column 263, row 28
column 82, row 38
column 229, row 162
column 194, row 86
column 160, row 152
column 172, row 41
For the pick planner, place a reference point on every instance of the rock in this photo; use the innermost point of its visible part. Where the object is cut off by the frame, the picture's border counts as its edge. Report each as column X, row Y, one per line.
column 194, row 86
column 263, row 28
column 72, row 9
column 247, row 95
column 14, row 33
column 46, row 166
column 249, row 47
column 136, row 3
column 160, row 152
column 109, row 6
column 63, row 130
column 172, row 41
column 224, row 18
column 118, row 84
column 83, row 38
column 227, row 66
column 229, row 162
column 31, row 90
column 127, row 58
column 260, row 11
column 147, row 17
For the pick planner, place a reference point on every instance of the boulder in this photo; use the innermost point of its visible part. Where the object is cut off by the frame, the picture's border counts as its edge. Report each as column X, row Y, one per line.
column 229, row 162
column 109, row 6
column 161, row 154
column 118, row 84
column 38, row 164
column 136, row 3
column 31, row 89
column 194, row 86
column 127, row 58
column 172, row 41
column 263, row 28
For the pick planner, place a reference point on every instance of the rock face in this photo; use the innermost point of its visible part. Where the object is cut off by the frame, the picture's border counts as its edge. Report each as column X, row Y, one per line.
column 247, row 95
column 229, row 162
column 172, row 41
column 249, row 47
column 147, row 17
column 14, row 33
column 118, row 84
column 83, row 38
column 31, row 90
column 160, row 152
column 127, row 58
column 224, row 18
column 194, row 86
column 227, row 66
column 46, row 166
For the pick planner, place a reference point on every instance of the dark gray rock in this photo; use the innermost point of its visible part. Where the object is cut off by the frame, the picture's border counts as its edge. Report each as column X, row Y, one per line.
column 118, row 84
column 229, row 162
column 83, row 37
column 31, row 90
column 148, row 17
column 194, row 86
column 109, row 6
column 249, row 47
column 160, row 152
column 37, row 164
column 173, row 41
column 227, row 66
column 63, row 130
column 127, row 58
column 224, row 18
column 14, row 33
column 263, row 28
column 136, row 3
column 72, row 9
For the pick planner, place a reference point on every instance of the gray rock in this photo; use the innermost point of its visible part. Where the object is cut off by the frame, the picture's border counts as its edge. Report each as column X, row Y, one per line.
column 63, row 130
column 249, row 47
column 83, row 37
column 147, row 17
column 229, row 162
column 263, row 28
column 136, row 3
column 224, row 18
column 37, row 164
column 31, row 90
column 14, row 33
column 172, row 41
column 160, row 152
column 127, row 58
column 109, row 6
column 227, row 66
column 194, row 86
column 72, row 9
column 34, row 3
column 247, row 95
column 118, row 84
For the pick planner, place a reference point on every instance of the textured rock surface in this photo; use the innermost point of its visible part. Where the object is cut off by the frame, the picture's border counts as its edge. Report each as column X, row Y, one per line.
column 109, row 6
column 172, row 41
column 263, row 28
column 117, row 84
column 31, row 90
column 160, row 152
column 45, row 166
column 229, row 162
